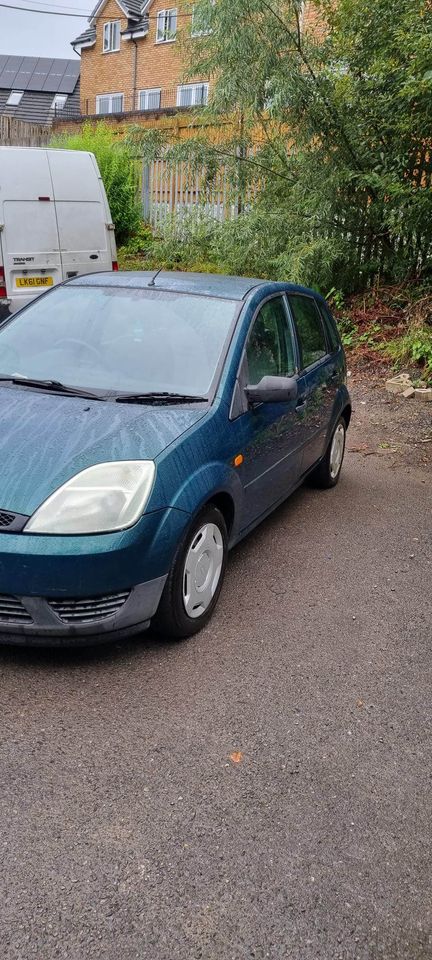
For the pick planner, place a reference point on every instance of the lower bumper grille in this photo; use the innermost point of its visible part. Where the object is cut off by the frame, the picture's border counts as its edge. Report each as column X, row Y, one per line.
column 89, row 609
column 12, row 611
column 6, row 518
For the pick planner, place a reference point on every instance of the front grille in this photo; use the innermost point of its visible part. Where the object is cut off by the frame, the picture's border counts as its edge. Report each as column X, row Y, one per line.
column 88, row 609
column 12, row 611
column 6, row 518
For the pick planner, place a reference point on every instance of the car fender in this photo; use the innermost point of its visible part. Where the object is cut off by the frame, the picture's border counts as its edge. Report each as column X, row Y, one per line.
column 205, row 483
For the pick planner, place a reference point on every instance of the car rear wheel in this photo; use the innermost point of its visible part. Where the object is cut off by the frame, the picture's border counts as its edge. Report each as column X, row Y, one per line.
column 195, row 580
column 328, row 471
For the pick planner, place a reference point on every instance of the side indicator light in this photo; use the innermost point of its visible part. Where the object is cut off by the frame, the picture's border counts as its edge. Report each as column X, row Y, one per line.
column 238, row 460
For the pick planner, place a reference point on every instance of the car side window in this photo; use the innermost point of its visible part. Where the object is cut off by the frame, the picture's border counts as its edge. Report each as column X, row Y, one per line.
column 330, row 325
column 310, row 330
column 270, row 350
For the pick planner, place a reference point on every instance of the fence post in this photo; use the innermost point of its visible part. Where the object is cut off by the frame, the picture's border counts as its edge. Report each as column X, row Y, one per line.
column 145, row 191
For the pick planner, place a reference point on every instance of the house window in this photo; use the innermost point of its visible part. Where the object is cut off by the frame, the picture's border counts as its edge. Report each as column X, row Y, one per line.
column 192, row 94
column 200, row 24
column 14, row 98
column 149, row 99
column 166, row 28
column 111, row 36
column 59, row 101
column 109, row 103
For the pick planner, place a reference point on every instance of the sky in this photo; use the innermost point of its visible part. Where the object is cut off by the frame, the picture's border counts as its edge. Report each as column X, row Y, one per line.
column 42, row 35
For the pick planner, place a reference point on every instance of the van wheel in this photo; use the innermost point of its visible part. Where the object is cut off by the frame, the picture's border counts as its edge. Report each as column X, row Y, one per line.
column 195, row 580
column 327, row 473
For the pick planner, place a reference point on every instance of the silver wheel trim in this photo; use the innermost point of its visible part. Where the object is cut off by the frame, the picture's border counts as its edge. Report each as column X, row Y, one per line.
column 202, row 569
column 337, row 450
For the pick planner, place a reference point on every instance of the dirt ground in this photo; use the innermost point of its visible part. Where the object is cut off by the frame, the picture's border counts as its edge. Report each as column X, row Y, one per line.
column 386, row 425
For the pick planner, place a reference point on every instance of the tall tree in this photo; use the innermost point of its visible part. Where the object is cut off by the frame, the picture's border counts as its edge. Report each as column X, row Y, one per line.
column 331, row 126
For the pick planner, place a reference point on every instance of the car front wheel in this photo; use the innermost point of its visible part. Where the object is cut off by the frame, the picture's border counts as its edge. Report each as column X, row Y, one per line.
column 195, row 579
column 328, row 471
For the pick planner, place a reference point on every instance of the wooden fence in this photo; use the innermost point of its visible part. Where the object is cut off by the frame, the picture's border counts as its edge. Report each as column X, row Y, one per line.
column 182, row 189
column 19, row 133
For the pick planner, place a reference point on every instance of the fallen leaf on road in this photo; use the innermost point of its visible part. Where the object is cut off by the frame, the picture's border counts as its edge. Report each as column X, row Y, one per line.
column 236, row 757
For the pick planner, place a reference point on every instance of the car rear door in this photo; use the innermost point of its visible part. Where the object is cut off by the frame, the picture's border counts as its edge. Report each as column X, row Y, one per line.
column 318, row 377
column 268, row 434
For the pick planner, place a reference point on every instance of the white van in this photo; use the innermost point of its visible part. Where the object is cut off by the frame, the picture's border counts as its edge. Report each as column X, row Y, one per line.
column 55, row 222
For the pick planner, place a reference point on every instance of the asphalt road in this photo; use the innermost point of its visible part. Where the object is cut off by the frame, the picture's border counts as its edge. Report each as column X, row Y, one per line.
column 128, row 832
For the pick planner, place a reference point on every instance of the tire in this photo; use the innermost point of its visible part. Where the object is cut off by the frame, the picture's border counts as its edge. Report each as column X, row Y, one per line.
column 191, row 593
column 327, row 473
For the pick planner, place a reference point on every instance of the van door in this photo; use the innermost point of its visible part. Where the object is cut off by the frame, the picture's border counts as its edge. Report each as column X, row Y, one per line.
column 31, row 258
column 81, row 215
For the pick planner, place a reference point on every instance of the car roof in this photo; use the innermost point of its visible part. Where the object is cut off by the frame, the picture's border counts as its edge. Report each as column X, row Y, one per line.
column 206, row 284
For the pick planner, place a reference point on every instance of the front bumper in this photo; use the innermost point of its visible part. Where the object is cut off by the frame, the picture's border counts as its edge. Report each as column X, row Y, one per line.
column 67, row 590
column 41, row 621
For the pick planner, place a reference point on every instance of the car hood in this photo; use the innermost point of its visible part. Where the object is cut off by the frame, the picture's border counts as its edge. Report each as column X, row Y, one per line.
column 45, row 439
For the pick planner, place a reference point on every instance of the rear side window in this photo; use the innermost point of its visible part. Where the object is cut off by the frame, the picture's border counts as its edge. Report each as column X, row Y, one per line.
column 310, row 330
column 269, row 350
column 331, row 328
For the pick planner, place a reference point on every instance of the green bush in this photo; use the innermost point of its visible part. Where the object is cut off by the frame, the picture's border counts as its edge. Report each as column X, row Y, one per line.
column 415, row 347
column 118, row 170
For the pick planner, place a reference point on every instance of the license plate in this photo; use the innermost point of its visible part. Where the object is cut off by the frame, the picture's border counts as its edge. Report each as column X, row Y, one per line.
column 34, row 281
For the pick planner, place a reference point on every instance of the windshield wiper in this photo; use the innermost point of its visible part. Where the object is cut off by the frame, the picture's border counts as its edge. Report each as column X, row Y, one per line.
column 54, row 385
column 159, row 398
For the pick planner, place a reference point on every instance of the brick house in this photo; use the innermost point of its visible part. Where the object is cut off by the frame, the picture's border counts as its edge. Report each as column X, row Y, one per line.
column 131, row 59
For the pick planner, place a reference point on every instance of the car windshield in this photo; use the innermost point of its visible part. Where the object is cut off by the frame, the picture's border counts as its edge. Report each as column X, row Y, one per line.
column 119, row 339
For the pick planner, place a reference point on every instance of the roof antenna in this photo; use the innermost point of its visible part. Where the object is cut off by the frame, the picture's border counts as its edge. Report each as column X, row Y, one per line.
column 152, row 281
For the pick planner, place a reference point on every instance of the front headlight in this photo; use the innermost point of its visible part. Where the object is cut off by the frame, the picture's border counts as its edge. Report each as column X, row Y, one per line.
column 106, row 497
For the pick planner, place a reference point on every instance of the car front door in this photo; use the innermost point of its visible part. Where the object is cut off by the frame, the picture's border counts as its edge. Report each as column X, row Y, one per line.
column 318, row 379
column 269, row 433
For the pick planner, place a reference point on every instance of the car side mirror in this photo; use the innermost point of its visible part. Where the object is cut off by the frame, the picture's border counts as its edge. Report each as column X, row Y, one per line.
column 272, row 390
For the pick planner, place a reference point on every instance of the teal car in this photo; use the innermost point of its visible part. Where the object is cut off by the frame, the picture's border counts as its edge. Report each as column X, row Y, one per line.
column 147, row 424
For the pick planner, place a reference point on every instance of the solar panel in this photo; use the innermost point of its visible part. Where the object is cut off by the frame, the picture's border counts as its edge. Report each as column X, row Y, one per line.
column 69, row 78
column 24, row 74
column 38, row 74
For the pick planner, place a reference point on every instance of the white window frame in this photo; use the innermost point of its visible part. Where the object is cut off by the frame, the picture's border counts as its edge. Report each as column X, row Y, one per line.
column 111, row 36
column 59, row 101
column 163, row 32
column 193, row 87
column 144, row 97
column 110, row 97
column 199, row 33
column 14, row 98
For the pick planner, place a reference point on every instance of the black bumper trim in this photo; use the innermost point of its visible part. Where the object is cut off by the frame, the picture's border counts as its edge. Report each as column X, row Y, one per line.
column 47, row 628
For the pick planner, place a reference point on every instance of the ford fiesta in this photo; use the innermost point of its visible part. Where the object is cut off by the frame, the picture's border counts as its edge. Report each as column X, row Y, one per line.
column 147, row 424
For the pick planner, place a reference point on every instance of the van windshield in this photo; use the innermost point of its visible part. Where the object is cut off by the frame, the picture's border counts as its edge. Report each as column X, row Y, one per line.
column 119, row 339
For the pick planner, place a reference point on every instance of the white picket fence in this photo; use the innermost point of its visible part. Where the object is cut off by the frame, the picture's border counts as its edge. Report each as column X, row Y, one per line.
column 180, row 189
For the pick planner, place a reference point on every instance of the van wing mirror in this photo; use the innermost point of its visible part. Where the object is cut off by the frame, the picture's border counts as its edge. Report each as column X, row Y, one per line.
column 272, row 390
